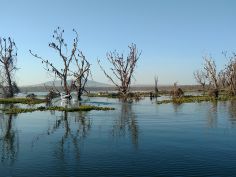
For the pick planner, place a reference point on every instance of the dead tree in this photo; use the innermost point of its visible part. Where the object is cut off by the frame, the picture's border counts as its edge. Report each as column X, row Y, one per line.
column 156, row 88
column 228, row 75
column 81, row 75
column 177, row 92
column 8, row 58
column 200, row 78
column 60, row 47
column 122, row 69
column 211, row 75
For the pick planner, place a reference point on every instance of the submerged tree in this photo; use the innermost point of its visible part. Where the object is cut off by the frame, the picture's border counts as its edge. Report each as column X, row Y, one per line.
column 8, row 58
column 209, row 76
column 122, row 68
column 60, row 46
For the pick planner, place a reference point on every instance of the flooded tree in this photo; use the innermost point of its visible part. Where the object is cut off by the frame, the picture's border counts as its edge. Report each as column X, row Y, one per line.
column 156, row 88
column 81, row 75
column 212, row 76
column 177, row 92
column 122, row 69
column 211, row 73
column 209, row 76
column 200, row 78
column 8, row 58
column 228, row 75
column 61, row 47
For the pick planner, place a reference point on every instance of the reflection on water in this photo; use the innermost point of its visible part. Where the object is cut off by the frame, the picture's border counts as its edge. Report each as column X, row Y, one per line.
column 212, row 115
column 76, row 127
column 176, row 140
column 126, row 123
column 9, row 140
column 177, row 107
column 232, row 112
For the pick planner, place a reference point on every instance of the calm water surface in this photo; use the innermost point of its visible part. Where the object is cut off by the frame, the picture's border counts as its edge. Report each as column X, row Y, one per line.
column 138, row 139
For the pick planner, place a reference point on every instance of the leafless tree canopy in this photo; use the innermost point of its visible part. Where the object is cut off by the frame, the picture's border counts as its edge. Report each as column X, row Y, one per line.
column 211, row 73
column 60, row 46
column 200, row 78
column 82, row 73
column 8, row 58
column 209, row 76
column 122, row 68
column 228, row 75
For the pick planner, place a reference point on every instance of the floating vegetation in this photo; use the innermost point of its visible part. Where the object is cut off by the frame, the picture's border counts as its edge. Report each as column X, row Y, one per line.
column 196, row 99
column 55, row 108
column 22, row 100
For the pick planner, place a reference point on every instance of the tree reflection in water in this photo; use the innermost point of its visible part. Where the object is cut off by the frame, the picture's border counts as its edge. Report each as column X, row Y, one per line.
column 232, row 112
column 126, row 123
column 76, row 127
column 9, row 139
column 177, row 107
column 212, row 115
column 72, row 136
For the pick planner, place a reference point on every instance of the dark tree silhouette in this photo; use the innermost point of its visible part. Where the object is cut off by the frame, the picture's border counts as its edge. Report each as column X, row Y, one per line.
column 122, row 68
column 156, row 88
column 8, row 58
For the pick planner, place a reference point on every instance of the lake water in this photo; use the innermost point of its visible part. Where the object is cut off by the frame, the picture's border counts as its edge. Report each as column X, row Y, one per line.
column 136, row 139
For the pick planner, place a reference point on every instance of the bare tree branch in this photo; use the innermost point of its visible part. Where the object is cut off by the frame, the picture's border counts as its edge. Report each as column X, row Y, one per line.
column 83, row 66
column 200, row 77
column 8, row 58
column 122, row 69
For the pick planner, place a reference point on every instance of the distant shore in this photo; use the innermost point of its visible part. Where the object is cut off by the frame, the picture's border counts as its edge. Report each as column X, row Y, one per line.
column 147, row 88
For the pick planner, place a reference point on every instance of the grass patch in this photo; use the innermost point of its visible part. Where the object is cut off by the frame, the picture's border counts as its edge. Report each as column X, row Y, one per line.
column 196, row 99
column 55, row 108
column 21, row 100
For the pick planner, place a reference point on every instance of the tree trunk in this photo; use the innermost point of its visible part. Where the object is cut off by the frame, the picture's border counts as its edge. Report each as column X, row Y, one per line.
column 9, row 82
column 79, row 90
column 66, row 86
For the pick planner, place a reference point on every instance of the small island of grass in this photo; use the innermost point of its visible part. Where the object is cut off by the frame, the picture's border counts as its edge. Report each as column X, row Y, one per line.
column 196, row 99
column 15, row 110
column 22, row 100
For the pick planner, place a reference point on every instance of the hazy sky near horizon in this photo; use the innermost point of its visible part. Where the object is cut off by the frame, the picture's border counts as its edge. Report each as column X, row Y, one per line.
column 173, row 35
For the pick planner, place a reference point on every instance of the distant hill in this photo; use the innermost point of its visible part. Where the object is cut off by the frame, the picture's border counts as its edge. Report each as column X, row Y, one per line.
column 90, row 83
column 98, row 87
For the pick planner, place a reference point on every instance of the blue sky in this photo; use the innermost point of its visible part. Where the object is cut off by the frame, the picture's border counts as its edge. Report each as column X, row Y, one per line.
column 172, row 34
